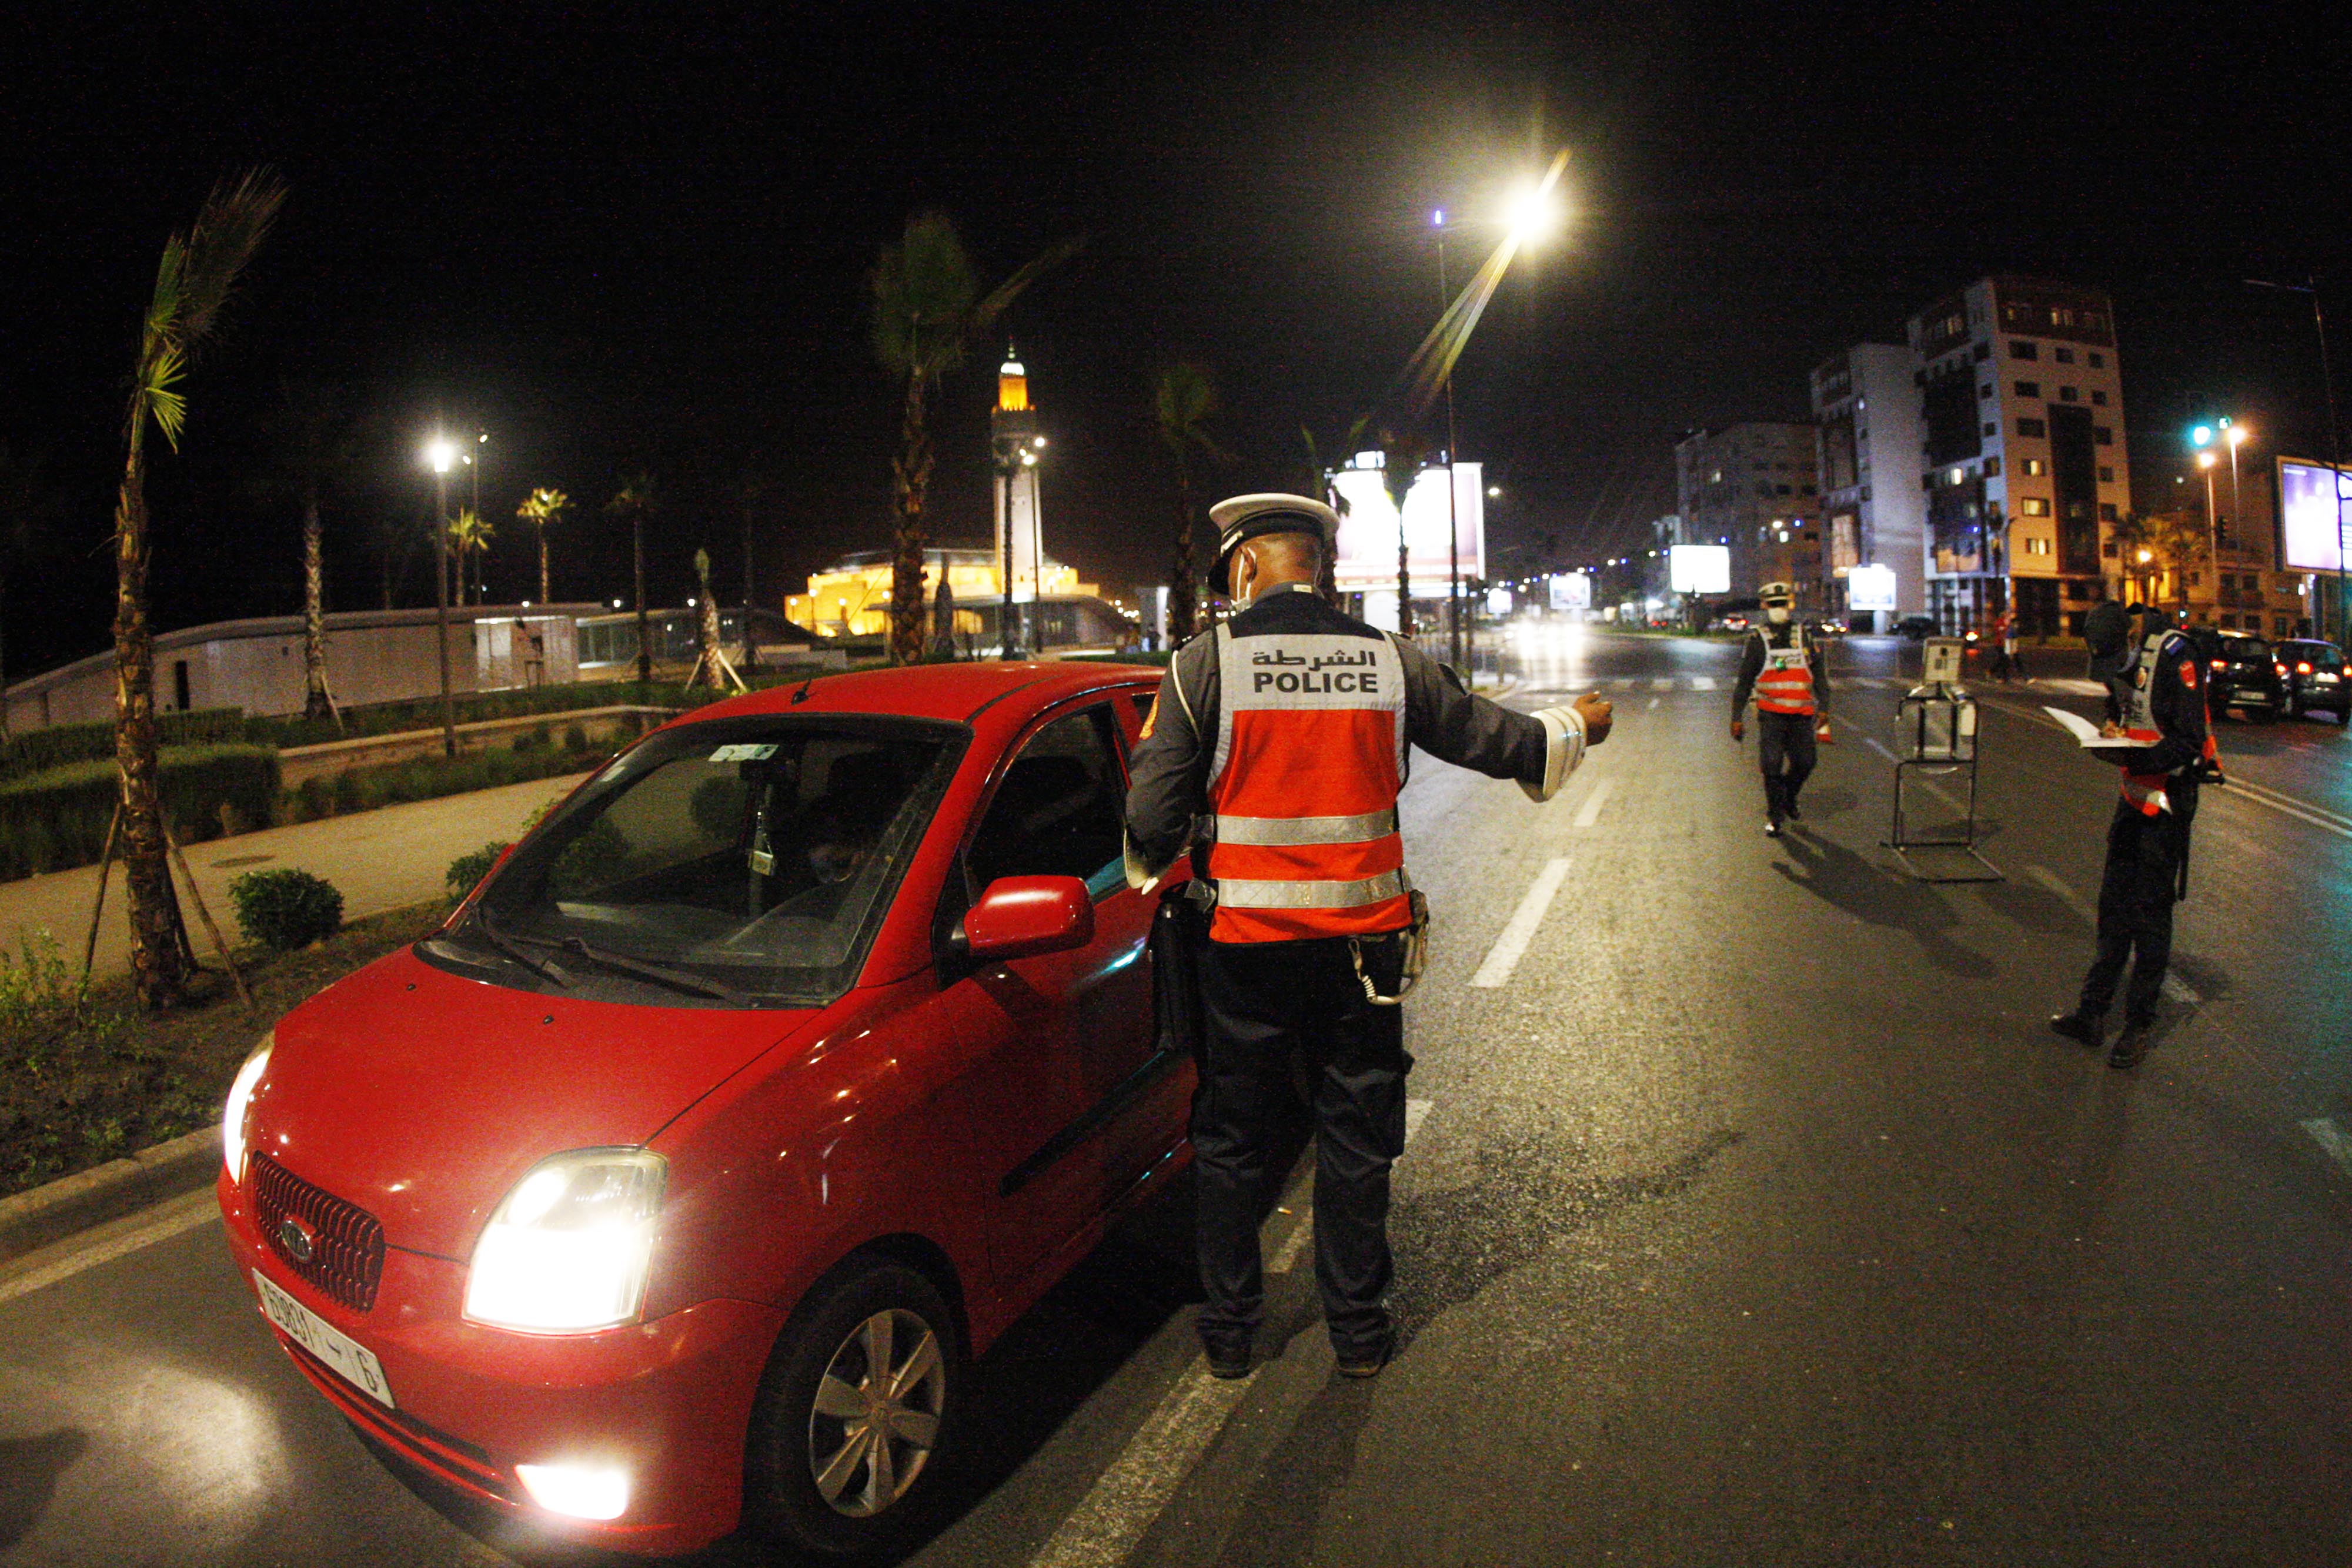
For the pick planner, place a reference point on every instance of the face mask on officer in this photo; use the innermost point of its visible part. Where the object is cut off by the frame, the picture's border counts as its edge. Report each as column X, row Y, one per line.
column 1777, row 614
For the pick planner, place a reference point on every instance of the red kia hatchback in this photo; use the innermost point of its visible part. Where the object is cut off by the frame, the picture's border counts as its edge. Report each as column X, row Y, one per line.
column 675, row 1181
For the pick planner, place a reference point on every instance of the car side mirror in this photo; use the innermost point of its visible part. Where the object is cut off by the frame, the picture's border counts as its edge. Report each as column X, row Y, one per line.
column 1020, row 916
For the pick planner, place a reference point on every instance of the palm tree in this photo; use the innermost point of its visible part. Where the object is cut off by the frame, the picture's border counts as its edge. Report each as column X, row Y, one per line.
column 635, row 500
column 314, row 439
column 750, row 499
column 470, row 535
column 1183, row 398
column 927, row 307
column 542, row 508
column 29, row 507
column 192, row 284
column 2157, row 546
column 1403, row 457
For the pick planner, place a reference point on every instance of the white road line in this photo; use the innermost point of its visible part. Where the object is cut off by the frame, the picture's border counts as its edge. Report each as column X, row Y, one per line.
column 1624, row 682
column 107, row 1243
column 1503, row 955
column 1878, row 746
column 1416, row 1112
column 2318, row 816
column 2178, row 989
column 1663, row 684
column 1590, row 812
column 1129, row 1495
column 1701, row 683
column 2331, row 1140
column 1655, row 701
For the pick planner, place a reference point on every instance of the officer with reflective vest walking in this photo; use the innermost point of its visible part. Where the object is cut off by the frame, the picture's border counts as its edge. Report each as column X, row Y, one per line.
column 1792, row 702
column 1274, row 755
column 2148, row 843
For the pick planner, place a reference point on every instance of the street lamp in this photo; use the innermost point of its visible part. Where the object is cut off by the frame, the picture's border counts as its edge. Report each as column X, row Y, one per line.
column 440, row 455
column 2310, row 287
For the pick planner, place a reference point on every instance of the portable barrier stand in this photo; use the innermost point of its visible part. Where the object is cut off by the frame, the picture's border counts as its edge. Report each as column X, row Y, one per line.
column 1936, row 733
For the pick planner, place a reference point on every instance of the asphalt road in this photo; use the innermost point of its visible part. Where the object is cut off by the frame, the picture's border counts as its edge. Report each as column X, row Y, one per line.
column 1751, row 1216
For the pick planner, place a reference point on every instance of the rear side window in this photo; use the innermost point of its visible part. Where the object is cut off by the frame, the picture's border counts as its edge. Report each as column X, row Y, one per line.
column 1057, row 810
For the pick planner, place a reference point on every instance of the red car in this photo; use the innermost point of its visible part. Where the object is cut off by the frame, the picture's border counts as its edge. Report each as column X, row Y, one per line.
column 675, row 1181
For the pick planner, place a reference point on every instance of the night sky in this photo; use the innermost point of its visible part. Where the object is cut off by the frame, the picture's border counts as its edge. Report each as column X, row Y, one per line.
column 620, row 237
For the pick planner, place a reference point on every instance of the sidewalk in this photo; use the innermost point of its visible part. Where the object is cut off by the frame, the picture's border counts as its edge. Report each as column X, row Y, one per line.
column 378, row 860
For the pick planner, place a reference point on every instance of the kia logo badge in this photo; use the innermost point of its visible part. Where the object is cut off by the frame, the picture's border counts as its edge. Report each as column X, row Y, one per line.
column 294, row 1239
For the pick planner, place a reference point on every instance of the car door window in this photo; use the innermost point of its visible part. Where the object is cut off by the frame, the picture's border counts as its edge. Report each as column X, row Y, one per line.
column 1056, row 811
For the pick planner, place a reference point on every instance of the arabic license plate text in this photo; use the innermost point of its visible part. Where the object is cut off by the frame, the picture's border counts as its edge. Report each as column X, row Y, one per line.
column 355, row 1362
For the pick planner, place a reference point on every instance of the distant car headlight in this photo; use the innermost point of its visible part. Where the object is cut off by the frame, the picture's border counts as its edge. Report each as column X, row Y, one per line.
column 567, row 1251
column 240, row 1100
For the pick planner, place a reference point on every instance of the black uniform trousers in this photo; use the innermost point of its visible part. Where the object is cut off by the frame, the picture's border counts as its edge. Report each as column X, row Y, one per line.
column 1265, row 1001
column 1784, row 744
column 2136, row 898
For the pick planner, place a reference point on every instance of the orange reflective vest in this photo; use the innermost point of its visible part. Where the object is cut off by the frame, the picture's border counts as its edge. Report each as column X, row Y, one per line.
column 1309, row 758
column 1787, row 684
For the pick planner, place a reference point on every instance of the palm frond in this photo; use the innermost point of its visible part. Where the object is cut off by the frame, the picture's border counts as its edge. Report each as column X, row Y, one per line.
column 235, row 218
column 980, row 317
column 159, row 396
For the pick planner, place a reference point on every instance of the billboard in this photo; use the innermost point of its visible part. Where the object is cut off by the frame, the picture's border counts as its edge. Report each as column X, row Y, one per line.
column 1368, row 529
column 1870, row 588
column 1699, row 569
column 1571, row 590
column 2312, row 518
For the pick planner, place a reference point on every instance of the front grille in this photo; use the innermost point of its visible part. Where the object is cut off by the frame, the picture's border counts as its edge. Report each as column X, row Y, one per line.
column 346, row 1242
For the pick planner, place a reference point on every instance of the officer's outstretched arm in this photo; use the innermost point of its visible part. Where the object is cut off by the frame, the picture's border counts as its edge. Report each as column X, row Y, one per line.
column 1564, row 746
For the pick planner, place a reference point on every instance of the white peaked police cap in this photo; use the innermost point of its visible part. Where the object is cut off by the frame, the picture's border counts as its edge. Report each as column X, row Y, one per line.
column 1772, row 591
column 1242, row 518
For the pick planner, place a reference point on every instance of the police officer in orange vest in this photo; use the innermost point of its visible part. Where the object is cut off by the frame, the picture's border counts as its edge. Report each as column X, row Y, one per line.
column 1274, row 755
column 2147, row 842
column 1792, row 702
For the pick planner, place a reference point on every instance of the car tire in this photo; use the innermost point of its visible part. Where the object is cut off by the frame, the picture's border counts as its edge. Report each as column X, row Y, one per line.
column 810, row 1480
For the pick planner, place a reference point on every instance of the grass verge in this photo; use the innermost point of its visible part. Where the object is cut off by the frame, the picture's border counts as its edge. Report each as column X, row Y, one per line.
column 85, row 1082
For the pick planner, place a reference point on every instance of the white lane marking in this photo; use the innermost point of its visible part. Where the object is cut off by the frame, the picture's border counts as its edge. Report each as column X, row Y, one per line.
column 2178, row 989
column 1655, row 701
column 1624, row 682
column 1416, row 1112
column 1874, row 744
column 1663, row 684
column 1701, row 683
column 107, row 1243
column 1105, row 1527
column 2331, row 1140
column 1590, row 812
column 1503, row 955
column 2318, row 816
column 2049, row 882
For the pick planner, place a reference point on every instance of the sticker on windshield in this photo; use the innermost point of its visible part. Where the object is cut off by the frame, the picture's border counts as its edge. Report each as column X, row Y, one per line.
column 743, row 753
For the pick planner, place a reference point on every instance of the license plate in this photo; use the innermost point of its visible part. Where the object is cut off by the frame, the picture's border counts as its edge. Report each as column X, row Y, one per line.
column 355, row 1362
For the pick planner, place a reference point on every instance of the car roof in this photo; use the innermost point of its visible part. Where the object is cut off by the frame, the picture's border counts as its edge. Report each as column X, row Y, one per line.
column 957, row 691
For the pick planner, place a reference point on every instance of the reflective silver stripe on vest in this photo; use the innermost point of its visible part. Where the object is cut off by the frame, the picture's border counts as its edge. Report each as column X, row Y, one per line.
column 1243, row 893
column 1283, row 832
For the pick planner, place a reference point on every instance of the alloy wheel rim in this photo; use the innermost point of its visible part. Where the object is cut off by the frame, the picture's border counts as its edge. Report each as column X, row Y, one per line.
column 876, row 1414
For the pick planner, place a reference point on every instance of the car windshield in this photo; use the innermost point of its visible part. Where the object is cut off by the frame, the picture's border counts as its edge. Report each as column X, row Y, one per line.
column 2318, row 656
column 741, row 859
column 2246, row 647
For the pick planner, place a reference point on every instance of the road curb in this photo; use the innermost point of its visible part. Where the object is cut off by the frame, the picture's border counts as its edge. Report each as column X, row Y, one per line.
column 33, row 1219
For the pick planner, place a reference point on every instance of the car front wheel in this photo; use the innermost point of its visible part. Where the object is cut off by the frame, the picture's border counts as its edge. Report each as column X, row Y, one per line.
column 853, row 1411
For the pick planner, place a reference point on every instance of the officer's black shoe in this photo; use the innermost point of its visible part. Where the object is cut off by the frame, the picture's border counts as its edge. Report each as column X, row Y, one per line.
column 2082, row 1028
column 1771, row 827
column 2130, row 1048
column 1228, row 1358
column 1794, row 814
column 1366, row 1361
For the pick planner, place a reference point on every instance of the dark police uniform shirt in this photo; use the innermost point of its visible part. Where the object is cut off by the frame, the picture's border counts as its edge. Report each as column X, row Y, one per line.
column 1170, row 770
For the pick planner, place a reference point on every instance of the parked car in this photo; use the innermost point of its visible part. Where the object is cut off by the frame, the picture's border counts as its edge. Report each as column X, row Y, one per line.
column 1918, row 628
column 676, row 1179
column 1730, row 624
column 1825, row 628
column 2239, row 672
column 2314, row 674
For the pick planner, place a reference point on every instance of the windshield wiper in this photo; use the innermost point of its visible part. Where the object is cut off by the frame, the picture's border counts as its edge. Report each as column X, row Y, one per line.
column 659, row 974
column 507, row 950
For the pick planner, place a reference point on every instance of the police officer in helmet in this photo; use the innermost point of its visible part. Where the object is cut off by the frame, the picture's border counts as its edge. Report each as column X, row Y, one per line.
column 1785, row 672
column 1274, row 754
column 2148, row 841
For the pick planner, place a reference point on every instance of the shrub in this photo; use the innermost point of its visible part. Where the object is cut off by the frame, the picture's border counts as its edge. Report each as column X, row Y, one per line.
column 37, row 994
column 38, row 750
column 576, row 737
column 57, row 818
column 285, row 909
column 468, row 870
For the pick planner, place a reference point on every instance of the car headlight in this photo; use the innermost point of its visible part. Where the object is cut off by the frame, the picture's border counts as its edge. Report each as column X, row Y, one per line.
column 240, row 1100
column 568, row 1249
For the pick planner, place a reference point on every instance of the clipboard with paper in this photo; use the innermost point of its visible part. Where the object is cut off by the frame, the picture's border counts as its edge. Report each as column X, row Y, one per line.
column 2086, row 734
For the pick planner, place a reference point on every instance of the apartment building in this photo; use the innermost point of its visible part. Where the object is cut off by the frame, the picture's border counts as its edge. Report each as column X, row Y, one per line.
column 1869, row 438
column 2024, row 463
column 1755, row 487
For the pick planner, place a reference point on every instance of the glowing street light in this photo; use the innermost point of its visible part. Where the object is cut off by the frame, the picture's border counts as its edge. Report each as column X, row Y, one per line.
column 1535, row 213
column 440, row 455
